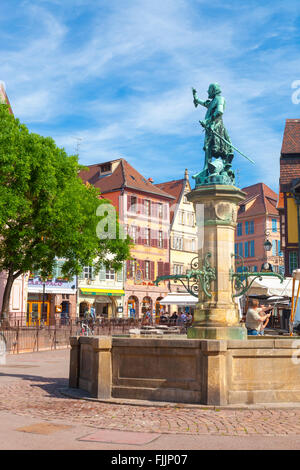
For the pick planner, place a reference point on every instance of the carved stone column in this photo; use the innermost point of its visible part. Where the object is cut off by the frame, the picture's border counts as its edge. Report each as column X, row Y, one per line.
column 217, row 317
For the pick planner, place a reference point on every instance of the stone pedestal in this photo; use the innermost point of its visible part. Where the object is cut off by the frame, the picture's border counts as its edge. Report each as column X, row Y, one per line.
column 217, row 317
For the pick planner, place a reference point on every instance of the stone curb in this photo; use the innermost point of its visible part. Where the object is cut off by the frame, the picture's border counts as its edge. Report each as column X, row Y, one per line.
column 80, row 395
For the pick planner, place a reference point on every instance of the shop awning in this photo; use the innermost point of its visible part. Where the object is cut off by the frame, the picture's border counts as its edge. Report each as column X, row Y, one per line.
column 110, row 292
column 272, row 287
column 181, row 299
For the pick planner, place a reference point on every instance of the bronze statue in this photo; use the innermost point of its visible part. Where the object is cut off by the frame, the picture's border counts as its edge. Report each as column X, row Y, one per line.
column 217, row 143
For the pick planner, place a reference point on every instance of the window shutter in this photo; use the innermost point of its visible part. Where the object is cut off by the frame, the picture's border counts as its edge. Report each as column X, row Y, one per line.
column 81, row 275
column 139, row 235
column 165, row 212
column 120, row 275
column 165, row 240
column 128, row 270
column 102, row 273
column 166, row 269
column 152, row 270
column 160, row 268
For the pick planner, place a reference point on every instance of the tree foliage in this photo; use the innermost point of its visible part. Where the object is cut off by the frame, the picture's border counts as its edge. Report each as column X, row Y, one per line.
column 46, row 211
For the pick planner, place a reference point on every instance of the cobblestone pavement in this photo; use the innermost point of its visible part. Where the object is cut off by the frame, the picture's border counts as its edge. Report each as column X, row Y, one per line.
column 30, row 386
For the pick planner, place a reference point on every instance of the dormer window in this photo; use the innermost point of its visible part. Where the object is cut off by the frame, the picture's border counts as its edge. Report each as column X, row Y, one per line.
column 105, row 168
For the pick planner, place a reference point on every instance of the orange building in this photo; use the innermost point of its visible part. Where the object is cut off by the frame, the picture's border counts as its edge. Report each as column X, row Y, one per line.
column 144, row 212
column 258, row 222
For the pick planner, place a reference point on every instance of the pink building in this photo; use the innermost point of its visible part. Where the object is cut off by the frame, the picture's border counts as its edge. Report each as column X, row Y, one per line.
column 258, row 221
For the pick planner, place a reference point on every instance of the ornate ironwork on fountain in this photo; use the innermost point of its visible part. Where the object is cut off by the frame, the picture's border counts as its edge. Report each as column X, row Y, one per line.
column 243, row 280
column 194, row 277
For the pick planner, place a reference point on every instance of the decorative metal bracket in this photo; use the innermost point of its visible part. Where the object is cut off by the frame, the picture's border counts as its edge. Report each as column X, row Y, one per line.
column 242, row 281
column 194, row 276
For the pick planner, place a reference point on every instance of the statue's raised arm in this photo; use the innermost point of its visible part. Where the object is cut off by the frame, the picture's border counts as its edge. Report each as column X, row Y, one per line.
column 197, row 101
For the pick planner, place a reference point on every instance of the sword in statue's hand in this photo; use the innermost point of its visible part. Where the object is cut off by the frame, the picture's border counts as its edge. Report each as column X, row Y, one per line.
column 209, row 129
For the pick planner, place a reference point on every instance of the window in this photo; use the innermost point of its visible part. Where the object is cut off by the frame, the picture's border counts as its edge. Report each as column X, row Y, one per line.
column 147, row 269
column 132, row 268
column 160, row 239
column 88, row 272
column 177, row 243
column 160, row 210
column 251, row 226
column 193, row 244
column 147, row 207
column 274, row 225
column 293, row 261
column 134, row 233
column 106, row 167
column 147, row 236
column 133, row 204
column 239, row 229
column 246, row 249
column 110, row 274
column 252, row 248
column 178, row 269
column 246, row 228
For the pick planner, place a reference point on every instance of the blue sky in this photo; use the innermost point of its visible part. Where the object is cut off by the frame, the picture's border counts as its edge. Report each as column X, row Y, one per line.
column 115, row 78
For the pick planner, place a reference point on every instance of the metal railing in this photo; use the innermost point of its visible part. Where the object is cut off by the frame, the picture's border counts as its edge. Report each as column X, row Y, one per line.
column 21, row 338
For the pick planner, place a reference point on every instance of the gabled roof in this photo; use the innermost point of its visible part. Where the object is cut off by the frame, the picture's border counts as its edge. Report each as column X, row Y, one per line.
column 124, row 176
column 265, row 200
column 176, row 189
column 291, row 137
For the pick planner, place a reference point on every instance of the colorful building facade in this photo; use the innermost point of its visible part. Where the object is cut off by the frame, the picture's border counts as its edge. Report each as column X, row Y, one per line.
column 183, row 230
column 144, row 212
column 258, row 221
column 289, row 197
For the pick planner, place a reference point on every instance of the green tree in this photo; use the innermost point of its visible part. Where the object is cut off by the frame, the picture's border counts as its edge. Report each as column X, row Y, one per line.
column 46, row 211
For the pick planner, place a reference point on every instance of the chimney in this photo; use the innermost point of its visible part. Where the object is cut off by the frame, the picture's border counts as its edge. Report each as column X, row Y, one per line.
column 150, row 180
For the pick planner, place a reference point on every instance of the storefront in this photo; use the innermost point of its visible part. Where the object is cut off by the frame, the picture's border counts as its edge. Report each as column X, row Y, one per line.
column 106, row 303
column 49, row 301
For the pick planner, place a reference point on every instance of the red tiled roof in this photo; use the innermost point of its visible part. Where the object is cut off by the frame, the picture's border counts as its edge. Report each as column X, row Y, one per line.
column 124, row 176
column 280, row 202
column 289, row 170
column 291, row 137
column 265, row 200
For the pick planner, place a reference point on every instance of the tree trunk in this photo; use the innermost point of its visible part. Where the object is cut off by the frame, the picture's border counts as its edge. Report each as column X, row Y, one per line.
column 6, row 296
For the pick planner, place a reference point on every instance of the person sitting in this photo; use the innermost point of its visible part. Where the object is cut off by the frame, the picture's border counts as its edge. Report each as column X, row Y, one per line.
column 174, row 318
column 255, row 317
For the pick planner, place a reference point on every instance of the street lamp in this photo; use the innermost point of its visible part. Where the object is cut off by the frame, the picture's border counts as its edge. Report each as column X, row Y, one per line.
column 267, row 243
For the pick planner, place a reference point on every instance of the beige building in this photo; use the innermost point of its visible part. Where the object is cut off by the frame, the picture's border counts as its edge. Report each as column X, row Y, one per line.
column 183, row 231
